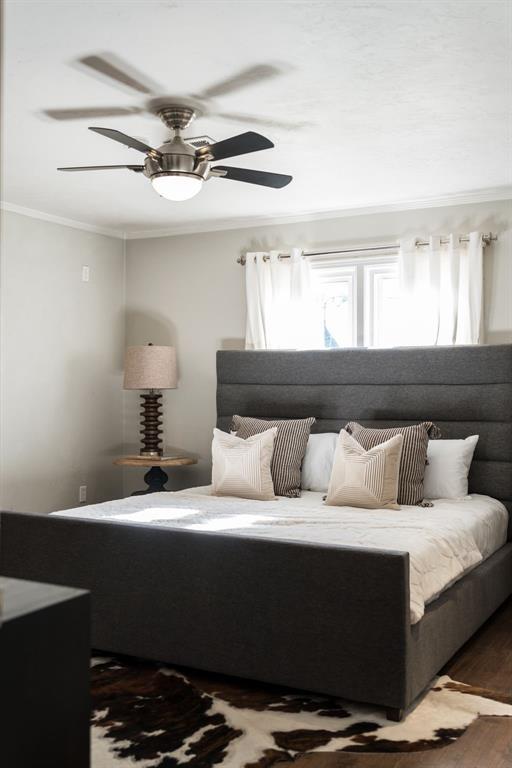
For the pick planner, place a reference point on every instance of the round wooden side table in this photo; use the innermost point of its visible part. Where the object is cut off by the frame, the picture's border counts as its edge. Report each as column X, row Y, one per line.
column 155, row 478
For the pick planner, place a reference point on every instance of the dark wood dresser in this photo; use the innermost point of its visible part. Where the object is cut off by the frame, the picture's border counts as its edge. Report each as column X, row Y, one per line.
column 44, row 676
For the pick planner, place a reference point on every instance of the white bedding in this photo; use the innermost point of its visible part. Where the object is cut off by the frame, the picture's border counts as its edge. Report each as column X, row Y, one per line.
column 443, row 541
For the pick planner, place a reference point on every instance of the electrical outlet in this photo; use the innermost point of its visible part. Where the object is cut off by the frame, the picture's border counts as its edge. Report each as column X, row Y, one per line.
column 82, row 494
column 85, row 273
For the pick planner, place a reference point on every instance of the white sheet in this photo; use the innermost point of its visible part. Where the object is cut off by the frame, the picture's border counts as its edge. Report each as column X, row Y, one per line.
column 444, row 541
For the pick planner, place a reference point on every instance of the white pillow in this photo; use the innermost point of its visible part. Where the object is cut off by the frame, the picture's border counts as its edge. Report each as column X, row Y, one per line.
column 318, row 460
column 446, row 474
column 242, row 467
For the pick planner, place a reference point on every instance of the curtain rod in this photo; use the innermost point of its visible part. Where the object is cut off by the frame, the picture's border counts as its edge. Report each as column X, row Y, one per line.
column 486, row 239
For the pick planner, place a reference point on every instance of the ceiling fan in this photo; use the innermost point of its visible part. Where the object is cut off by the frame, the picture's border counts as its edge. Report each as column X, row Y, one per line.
column 178, row 168
column 122, row 75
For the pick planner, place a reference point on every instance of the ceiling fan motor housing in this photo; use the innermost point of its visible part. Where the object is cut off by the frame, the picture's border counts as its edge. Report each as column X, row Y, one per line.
column 177, row 117
column 176, row 157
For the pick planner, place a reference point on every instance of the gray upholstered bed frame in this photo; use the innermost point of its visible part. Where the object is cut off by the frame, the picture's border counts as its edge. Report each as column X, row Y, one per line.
column 324, row 618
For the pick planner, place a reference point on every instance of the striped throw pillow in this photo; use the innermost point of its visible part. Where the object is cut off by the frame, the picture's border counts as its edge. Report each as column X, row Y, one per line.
column 414, row 453
column 242, row 467
column 289, row 449
column 367, row 479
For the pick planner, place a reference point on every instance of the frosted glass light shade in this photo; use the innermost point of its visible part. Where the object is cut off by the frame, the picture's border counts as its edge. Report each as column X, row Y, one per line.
column 177, row 187
column 150, row 367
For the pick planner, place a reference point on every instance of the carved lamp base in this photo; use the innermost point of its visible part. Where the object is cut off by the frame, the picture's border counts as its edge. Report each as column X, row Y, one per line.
column 151, row 423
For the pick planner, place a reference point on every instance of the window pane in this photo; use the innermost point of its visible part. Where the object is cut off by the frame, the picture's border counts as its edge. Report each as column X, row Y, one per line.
column 337, row 311
column 386, row 311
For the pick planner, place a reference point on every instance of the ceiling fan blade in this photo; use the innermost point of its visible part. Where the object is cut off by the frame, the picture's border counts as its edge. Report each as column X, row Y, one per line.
column 114, row 69
column 263, row 178
column 136, row 168
column 243, row 79
column 236, row 145
column 237, row 117
column 88, row 112
column 128, row 141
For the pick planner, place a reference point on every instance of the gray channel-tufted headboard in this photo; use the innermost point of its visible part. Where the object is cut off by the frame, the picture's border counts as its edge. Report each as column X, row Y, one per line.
column 464, row 390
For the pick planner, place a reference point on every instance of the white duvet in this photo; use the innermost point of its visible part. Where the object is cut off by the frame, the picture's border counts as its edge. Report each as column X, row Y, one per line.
column 444, row 541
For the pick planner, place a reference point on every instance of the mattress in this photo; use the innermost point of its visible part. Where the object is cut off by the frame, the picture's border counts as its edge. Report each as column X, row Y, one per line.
column 444, row 541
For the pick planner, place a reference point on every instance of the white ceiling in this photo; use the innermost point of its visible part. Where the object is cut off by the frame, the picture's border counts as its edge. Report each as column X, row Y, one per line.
column 393, row 101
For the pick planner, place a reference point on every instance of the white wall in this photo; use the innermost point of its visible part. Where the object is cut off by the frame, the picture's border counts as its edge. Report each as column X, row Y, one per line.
column 62, row 342
column 188, row 291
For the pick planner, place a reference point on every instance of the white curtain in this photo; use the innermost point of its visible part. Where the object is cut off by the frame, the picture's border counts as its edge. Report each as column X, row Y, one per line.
column 282, row 312
column 441, row 288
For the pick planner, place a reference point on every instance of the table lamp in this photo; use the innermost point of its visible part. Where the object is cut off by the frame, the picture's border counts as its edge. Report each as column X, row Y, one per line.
column 153, row 368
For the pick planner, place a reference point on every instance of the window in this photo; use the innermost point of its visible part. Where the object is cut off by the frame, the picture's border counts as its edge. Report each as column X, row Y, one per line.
column 359, row 300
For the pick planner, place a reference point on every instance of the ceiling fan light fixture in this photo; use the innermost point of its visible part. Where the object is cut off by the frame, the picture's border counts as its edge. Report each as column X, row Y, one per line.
column 177, row 186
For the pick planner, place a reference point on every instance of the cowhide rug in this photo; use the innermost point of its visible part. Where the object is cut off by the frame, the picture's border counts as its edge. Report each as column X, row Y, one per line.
column 150, row 716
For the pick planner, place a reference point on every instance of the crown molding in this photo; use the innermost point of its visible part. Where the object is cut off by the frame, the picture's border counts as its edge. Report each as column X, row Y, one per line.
column 34, row 214
column 460, row 198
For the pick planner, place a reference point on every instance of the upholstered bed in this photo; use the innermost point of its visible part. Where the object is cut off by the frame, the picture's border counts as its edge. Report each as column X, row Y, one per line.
column 318, row 616
column 444, row 541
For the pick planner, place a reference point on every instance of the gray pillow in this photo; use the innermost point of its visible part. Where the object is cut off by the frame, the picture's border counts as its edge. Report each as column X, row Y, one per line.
column 289, row 448
column 414, row 453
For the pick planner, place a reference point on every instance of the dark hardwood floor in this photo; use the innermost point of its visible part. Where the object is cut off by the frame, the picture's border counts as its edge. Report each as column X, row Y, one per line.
column 485, row 661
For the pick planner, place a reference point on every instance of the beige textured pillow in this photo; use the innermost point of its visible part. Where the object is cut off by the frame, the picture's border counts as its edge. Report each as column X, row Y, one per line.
column 362, row 478
column 414, row 454
column 242, row 467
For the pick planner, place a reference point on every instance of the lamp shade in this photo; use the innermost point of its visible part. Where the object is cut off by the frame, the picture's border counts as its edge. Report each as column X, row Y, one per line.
column 150, row 367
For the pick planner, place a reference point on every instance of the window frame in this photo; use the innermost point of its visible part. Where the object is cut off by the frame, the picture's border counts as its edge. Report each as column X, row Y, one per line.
column 363, row 270
column 373, row 273
column 346, row 273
